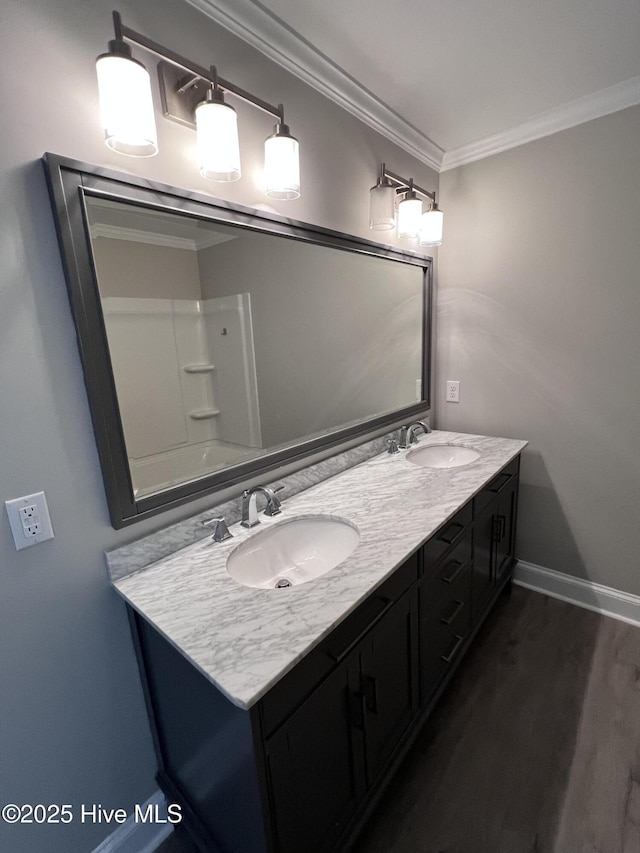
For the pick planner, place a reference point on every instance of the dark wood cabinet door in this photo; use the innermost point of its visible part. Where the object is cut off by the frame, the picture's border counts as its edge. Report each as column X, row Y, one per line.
column 389, row 668
column 505, row 528
column 316, row 766
column 483, row 551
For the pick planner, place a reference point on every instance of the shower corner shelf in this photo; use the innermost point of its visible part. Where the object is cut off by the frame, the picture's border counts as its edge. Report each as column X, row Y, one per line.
column 204, row 414
column 199, row 368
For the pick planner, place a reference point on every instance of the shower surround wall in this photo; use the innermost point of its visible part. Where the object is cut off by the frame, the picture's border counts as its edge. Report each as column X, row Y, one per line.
column 170, row 354
column 73, row 723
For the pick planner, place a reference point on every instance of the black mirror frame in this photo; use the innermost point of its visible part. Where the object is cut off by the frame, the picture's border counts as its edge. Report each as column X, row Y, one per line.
column 69, row 181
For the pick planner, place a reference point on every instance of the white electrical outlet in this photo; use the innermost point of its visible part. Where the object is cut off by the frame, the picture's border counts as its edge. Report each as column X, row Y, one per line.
column 29, row 520
column 453, row 391
column 27, row 513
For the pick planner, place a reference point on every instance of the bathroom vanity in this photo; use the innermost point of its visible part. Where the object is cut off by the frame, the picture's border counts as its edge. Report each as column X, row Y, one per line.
column 280, row 714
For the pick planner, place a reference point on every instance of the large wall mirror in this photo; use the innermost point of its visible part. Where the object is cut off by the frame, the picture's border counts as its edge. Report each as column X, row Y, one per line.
column 219, row 342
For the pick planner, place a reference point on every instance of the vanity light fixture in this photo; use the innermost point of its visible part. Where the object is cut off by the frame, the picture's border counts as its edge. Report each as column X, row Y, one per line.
column 126, row 105
column 431, row 223
column 412, row 222
column 382, row 204
column 217, row 130
column 282, row 163
column 195, row 99
column 409, row 213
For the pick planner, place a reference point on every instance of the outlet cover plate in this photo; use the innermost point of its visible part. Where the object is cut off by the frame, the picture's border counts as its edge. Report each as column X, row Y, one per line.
column 453, row 391
column 29, row 520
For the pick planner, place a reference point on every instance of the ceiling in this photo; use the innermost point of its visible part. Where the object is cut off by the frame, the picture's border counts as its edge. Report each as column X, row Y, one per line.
column 453, row 81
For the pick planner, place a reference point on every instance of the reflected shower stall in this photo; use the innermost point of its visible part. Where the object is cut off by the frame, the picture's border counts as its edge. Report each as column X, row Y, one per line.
column 187, row 389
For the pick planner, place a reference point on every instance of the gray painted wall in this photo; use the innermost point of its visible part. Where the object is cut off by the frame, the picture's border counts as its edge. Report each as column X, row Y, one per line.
column 337, row 336
column 72, row 722
column 538, row 315
column 143, row 271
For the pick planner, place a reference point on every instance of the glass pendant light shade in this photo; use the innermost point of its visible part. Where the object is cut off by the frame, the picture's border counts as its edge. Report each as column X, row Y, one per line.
column 409, row 213
column 218, row 145
column 126, row 104
column 382, row 206
column 282, row 164
column 431, row 227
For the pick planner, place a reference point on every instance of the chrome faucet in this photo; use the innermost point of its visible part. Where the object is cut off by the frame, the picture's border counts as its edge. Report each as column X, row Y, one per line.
column 407, row 436
column 249, row 506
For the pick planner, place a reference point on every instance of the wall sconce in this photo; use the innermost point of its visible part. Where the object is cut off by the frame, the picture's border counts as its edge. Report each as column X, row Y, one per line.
column 196, row 100
column 411, row 220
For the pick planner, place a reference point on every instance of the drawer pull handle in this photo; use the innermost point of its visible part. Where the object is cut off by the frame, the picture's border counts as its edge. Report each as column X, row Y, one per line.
column 338, row 658
column 449, row 619
column 496, row 530
column 447, row 536
column 456, row 572
column 499, row 528
column 500, row 485
column 448, row 658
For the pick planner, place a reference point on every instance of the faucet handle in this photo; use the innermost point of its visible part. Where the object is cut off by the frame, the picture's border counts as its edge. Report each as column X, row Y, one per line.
column 393, row 445
column 220, row 529
column 273, row 503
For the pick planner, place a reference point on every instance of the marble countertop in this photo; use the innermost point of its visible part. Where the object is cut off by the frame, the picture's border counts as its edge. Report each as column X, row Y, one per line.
column 244, row 639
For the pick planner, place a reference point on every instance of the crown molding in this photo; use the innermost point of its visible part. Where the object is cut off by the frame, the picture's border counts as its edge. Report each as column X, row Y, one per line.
column 602, row 103
column 253, row 23
column 257, row 25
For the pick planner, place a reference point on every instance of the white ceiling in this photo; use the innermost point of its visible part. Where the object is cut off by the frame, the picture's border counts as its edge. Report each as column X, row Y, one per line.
column 466, row 78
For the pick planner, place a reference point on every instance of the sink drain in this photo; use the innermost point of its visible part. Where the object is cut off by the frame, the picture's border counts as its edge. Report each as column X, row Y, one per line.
column 282, row 583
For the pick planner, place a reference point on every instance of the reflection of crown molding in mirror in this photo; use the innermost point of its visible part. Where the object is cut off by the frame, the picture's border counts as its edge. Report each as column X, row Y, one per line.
column 337, row 382
column 136, row 235
column 266, row 32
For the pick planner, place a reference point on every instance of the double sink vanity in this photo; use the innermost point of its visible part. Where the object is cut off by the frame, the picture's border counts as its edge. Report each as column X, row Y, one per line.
column 288, row 668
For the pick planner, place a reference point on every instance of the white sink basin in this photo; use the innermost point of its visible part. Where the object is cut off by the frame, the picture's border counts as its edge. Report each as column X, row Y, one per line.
column 292, row 552
column 443, row 455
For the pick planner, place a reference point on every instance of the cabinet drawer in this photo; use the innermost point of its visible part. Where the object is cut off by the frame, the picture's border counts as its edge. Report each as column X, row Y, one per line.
column 347, row 635
column 442, row 635
column 294, row 687
column 499, row 482
column 448, row 536
column 439, row 579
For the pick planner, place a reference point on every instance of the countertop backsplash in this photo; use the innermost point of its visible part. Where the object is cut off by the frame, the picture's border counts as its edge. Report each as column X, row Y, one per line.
column 139, row 554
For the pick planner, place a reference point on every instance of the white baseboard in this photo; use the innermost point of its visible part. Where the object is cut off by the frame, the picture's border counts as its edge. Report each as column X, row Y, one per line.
column 592, row 596
column 132, row 837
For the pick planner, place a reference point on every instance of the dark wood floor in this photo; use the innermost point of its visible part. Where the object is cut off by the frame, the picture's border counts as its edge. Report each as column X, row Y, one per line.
column 177, row 843
column 535, row 747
